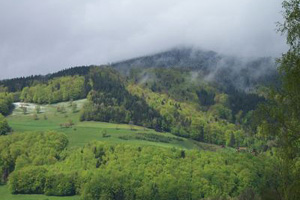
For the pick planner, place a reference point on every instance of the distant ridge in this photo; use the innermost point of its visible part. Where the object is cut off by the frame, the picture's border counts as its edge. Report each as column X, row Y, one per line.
column 16, row 84
column 241, row 73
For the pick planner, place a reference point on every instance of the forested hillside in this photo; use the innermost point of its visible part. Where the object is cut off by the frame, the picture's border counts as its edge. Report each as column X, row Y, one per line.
column 110, row 101
column 170, row 100
column 184, row 124
column 42, row 164
column 17, row 84
column 55, row 90
column 241, row 73
column 177, row 100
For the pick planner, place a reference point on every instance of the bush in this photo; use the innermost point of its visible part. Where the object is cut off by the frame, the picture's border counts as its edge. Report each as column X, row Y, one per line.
column 60, row 185
column 4, row 128
column 30, row 180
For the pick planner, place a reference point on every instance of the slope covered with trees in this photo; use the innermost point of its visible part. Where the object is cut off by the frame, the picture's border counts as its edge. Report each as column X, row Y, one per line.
column 55, row 90
column 17, row 84
column 110, row 101
column 185, row 92
column 242, row 73
column 106, row 171
column 198, row 109
column 188, row 120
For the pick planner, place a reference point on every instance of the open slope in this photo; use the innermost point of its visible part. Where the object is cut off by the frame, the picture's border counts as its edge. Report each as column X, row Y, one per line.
column 83, row 132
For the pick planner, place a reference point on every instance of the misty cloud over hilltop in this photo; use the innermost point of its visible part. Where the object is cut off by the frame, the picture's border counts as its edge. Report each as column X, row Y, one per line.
column 46, row 36
column 240, row 72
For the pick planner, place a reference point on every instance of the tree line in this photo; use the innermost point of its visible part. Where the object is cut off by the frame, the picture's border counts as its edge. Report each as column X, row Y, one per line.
column 55, row 90
column 17, row 84
column 110, row 101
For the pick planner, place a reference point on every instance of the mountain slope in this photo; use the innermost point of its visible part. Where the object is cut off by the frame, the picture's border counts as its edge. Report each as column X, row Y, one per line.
column 242, row 73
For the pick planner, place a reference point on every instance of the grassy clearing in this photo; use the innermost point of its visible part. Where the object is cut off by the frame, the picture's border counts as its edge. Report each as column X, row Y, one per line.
column 49, row 119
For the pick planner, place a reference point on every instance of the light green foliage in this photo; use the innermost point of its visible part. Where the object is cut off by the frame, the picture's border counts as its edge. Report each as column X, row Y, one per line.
column 221, row 112
column 59, row 184
column 6, row 195
column 187, row 119
column 117, row 171
column 84, row 132
column 6, row 101
column 56, row 90
column 4, row 127
column 30, row 180
column 167, row 174
column 20, row 150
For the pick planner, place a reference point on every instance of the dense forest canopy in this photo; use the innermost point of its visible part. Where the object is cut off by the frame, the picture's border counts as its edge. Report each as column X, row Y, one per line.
column 55, row 90
column 110, row 101
column 107, row 171
column 17, row 84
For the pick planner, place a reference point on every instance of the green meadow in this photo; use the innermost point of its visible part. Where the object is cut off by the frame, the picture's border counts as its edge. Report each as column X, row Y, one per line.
column 49, row 119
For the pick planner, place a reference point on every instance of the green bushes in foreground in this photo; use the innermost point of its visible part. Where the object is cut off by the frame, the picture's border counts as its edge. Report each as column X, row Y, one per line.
column 20, row 150
column 28, row 181
column 38, row 180
column 117, row 171
column 59, row 184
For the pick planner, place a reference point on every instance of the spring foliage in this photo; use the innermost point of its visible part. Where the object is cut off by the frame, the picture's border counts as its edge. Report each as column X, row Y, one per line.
column 40, row 164
column 56, row 90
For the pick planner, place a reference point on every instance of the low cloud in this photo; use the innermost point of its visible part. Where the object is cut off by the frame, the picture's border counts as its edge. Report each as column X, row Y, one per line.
column 38, row 37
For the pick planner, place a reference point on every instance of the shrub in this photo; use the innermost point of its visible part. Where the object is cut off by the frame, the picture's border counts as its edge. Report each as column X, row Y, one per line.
column 4, row 128
column 30, row 180
column 60, row 185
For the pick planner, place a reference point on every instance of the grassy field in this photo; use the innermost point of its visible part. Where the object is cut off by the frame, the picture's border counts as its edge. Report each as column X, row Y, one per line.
column 49, row 119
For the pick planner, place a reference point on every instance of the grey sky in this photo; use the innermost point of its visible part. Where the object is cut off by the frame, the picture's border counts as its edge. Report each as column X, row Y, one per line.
column 42, row 36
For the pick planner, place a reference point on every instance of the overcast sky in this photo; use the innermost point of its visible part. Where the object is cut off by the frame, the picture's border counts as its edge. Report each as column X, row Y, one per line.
column 42, row 36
